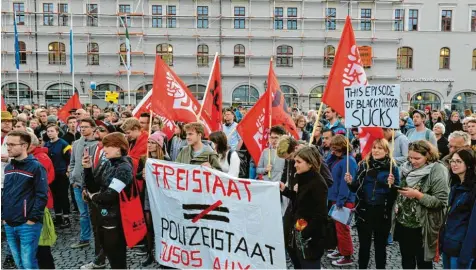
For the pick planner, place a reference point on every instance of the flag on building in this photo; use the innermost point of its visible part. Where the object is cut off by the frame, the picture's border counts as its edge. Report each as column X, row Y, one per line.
column 348, row 70
column 212, row 104
column 73, row 103
column 280, row 115
column 17, row 44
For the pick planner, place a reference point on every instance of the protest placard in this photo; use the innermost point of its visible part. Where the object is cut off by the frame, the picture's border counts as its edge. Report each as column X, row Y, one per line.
column 204, row 218
column 372, row 106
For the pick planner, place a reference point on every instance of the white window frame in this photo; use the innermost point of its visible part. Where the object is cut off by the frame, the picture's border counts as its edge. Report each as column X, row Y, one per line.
column 407, row 17
column 453, row 13
column 471, row 8
column 404, row 18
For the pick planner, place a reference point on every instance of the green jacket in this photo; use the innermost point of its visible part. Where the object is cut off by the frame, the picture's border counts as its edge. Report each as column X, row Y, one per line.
column 431, row 208
column 208, row 155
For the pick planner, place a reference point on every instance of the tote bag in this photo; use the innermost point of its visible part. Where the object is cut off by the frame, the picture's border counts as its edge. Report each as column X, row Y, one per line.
column 132, row 216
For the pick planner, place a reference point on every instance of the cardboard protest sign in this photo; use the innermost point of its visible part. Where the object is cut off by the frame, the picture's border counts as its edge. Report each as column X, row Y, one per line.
column 372, row 106
column 204, row 218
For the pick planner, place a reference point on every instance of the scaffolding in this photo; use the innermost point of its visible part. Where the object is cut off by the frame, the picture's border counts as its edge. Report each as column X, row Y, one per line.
column 260, row 25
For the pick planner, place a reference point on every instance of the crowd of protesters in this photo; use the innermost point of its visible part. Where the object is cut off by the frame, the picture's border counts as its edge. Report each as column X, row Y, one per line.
column 417, row 186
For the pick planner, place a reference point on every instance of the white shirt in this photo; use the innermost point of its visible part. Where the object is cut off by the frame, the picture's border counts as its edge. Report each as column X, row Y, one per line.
column 233, row 168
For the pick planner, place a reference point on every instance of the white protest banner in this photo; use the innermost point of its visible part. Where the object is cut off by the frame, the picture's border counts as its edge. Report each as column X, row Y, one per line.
column 372, row 106
column 204, row 218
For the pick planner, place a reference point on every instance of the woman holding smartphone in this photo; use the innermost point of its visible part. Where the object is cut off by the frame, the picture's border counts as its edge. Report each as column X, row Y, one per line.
column 117, row 176
column 376, row 199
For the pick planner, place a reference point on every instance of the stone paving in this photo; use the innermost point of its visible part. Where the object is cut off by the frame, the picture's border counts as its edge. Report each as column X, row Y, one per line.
column 67, row 258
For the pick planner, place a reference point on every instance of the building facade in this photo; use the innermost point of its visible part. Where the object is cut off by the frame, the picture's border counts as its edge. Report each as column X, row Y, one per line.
column 427, row 46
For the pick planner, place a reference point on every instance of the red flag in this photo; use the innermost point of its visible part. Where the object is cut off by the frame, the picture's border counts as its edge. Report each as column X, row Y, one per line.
column 279, row 108
column 212, row 104
column 4, row 106
column 145, row 106
column 73, row 103
column 254, row 127
column 348, row 70
column 171, row 97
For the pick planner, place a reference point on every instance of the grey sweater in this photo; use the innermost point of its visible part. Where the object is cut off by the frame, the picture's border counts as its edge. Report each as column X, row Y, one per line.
column 400, row 151
column 76, row 171
column 276, row 162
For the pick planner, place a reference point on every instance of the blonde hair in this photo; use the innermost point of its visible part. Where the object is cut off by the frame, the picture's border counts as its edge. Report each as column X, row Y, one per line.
column 311, row 156
column 386, row 147
column 426, row 149
column 286, row 145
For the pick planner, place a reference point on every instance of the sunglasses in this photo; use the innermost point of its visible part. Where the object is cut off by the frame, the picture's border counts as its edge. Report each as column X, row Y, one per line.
column 101, row 129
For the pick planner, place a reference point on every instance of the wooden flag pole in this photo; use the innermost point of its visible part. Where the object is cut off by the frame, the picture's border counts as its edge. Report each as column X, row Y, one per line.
column 391, row 154
column 270, row 121
column 319, row 112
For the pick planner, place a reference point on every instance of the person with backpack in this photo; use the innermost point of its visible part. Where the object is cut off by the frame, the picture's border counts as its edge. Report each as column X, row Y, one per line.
column 421, row 132
column 272, row 170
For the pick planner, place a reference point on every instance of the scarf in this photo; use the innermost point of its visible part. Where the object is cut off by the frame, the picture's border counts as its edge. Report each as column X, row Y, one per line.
column 413, row 176
column 380, row 164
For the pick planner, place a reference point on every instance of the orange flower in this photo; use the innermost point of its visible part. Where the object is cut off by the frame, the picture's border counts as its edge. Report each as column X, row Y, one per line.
column 301, row 224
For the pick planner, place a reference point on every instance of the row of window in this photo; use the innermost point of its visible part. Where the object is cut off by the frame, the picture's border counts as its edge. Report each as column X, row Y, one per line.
column 284, row 55
column 239, row 13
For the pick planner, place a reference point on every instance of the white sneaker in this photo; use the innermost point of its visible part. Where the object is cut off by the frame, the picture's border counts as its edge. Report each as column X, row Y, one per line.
column 334, row 255
column 92, row 265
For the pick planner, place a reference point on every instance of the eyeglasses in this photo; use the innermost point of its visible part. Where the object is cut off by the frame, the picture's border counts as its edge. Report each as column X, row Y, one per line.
column 101, row 129
column 456, row 161
column 10, row 145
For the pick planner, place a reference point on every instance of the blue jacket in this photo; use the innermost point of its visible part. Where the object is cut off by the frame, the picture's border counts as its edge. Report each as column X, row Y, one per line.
column 25, row 191
column 339, row 191
column 459, row 232
column 374, row 190
column 60, row 153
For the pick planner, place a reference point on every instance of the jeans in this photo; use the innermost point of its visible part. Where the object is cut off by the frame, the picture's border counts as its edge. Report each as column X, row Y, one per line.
column 411, row 247
column 23, row 241
column 452, row 262
column 84, row 221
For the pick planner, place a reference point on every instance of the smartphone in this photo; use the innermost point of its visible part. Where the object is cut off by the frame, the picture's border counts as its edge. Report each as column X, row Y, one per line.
column 398, row 187
column 86, row 151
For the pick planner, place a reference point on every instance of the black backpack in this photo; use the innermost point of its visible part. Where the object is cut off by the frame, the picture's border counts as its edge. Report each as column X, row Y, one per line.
column 244, row 166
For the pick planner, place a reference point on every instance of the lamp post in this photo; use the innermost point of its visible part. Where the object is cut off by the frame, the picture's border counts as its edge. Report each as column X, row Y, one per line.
column 449, row 89
column 82, row 84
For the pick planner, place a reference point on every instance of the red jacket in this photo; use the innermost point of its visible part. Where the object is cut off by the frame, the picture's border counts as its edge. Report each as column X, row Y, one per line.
column 41, row 153
column 136, row 152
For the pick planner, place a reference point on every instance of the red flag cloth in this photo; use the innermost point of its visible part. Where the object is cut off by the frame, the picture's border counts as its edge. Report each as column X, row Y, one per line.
column 73, row 103
column 254, row 127
column 138, row 150
column 212, row 105
column 366, row 137
column 280, row 115
column 145, row 106
column 348, row 70
column 132, row 216
column 171, row 97
column 4, row 105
